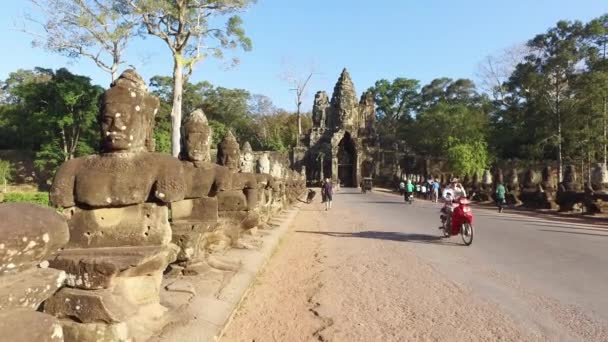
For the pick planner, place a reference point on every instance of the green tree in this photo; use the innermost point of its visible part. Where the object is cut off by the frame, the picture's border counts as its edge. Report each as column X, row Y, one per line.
column 396, row 103
column 187, row 26
column 62, row 111
column 468, row 158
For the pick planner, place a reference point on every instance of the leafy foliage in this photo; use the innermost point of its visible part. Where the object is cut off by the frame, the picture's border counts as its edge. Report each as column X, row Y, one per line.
column 468, row 158
column 52, row 113
column 40, row 198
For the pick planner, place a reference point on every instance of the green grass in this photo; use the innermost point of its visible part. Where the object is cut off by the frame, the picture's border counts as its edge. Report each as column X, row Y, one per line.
column 41, row 198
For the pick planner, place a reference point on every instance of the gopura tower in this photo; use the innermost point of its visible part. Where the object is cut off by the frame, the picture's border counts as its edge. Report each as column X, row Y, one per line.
column 340, row 144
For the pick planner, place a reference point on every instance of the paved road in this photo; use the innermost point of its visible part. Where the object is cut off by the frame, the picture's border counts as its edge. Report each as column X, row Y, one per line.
column 374, row 268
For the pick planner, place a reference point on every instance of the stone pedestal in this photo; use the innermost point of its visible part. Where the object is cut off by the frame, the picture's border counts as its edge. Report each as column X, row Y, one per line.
column 29, row 235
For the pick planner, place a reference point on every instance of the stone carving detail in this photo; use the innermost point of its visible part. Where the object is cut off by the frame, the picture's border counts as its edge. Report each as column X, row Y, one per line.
column 319, row 110
column 197, row 137
column 599, row 178
column 29, row 235
column 246, row 164
column 228, row 152
column 367, row 111
column 344, row 104
column 569, row 194
column 116, row 205
column 263, row 165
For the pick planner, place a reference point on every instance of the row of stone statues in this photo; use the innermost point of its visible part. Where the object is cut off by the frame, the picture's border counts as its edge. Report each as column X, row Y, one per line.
column 539, row 190
column 131, row 212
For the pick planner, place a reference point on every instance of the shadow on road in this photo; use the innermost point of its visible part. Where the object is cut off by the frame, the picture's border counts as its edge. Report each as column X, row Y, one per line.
column 391, row 236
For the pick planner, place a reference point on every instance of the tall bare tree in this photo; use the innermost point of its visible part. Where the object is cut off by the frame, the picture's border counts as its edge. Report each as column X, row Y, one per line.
column 298, row 84
column 95, row 29
column 187, row 28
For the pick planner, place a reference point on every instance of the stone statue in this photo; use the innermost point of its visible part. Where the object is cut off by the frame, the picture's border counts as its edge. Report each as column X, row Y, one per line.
column 344, row 104
column 116, row 205
column 276, row 170
column 228, row 152
column 197, row 137
column 263, row 165
column 530, row 194
column 547, row 195
column 246, row 163
column 123, row 174
column 599, row 178
column 569, row 194
column 513, row 188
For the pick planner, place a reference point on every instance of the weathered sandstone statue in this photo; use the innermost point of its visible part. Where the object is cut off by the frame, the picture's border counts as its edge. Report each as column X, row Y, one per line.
column 247, row 162
column 569, row 194
column 263, row 165
column 120, row 237
column 530, row 189
column 29, row 235
column 195, row 219
column 547, row 195
column 513, row 190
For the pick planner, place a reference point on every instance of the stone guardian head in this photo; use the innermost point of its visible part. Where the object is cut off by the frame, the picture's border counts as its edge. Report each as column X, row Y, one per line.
column 197, row 137
column 126, row 115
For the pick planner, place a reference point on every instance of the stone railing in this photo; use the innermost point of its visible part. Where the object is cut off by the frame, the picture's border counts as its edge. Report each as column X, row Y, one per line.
column 94, row 271
column 538, row 188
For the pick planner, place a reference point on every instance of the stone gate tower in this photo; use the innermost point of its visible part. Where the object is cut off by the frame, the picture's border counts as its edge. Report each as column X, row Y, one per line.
column 342, row 141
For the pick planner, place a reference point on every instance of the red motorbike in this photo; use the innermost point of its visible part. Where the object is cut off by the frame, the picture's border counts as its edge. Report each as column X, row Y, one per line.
column 458, row 218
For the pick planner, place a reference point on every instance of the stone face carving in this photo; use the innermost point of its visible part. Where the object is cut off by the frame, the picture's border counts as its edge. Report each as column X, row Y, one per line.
column 513, row 188
column 197, row 137
column 319, row 110
column 29, row 234
column 344, row 104
column 276, row 170
column 599, row 177
column 367, row 110
column 569, row 194
column 263, row 165
column 246, row 163
column 116, row 205
column 228, row 152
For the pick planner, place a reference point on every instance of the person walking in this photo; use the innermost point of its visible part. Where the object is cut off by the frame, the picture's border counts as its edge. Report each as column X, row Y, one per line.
column 500, row 196
column 328, row 191
column 436, row 190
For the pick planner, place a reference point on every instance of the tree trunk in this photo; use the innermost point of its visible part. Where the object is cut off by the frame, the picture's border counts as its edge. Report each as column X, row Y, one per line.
column 299, row 125
column 176, row 112
column 559, row 145
column 605, row 100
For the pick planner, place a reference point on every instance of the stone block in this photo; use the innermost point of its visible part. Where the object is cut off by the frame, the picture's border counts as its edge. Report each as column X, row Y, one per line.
column 97, row 268
column 30, row 288
column 29, row 234
column 25, row 325
column 202, row 209
column 88, row 306
column 95, row 332
column 141, row 290
column 232, row 200
column 144, row 224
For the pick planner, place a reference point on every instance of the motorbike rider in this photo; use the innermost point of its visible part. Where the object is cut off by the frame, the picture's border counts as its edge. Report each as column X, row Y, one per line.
column 409, row 189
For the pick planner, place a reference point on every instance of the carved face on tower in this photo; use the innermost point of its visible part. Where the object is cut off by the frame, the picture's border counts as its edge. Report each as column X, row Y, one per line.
column 197, row 137
column 228, row 152
column 127, row 115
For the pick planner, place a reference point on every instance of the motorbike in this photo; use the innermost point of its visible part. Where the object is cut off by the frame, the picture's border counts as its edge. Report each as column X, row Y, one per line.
column 457, row 218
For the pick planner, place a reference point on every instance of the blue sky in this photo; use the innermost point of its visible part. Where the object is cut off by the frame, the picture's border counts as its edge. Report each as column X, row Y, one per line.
column 373, row 39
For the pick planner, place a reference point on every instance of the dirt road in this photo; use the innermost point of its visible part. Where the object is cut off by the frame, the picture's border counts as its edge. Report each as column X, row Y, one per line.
column 368, row 271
